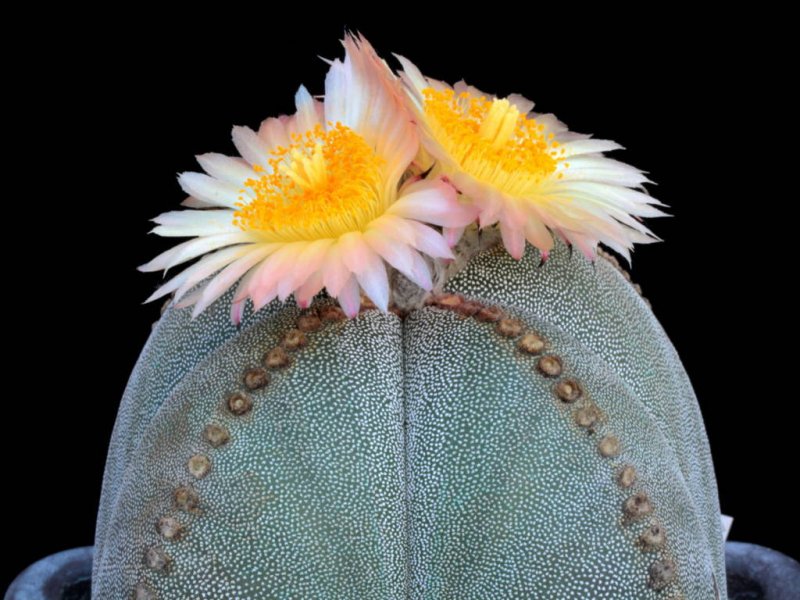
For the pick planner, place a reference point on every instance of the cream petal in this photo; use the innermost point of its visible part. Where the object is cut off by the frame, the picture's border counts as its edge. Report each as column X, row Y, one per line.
column 600, row 169
column 187, row 223
column 550, row 122
column 212, row 191
column 251, row 147
column 589, row 146
column 628, row 199
column 522, row 104
column 192, row 202
column 194, row 248
column 229, row 169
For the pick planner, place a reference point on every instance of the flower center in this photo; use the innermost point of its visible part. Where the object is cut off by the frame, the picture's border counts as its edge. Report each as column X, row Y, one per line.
column 491, row 140
column 324, row 184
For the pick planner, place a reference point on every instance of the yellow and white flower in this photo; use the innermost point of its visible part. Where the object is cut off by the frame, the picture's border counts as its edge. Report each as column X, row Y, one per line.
column 527, row 171
column 315, row 201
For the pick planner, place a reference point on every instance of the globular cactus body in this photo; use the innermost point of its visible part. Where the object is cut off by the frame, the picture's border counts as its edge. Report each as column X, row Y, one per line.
column 549, row 449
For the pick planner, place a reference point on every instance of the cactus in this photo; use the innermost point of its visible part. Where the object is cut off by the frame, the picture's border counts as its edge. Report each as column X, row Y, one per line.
column 528, row 431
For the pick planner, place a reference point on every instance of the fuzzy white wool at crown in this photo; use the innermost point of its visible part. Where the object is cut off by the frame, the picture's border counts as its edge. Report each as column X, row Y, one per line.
column 314, row 202
column 528, row 172
column 415, row 458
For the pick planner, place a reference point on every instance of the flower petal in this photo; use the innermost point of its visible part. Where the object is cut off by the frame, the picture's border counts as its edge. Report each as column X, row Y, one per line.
column 363, row 94
column 307, row 261
column 589, row 146
column 349, row 297
column 193, row 248
column 430, row 241
column 187, row 223
column 367, row 266
column 228, row 276
column 229, row 169
column 210, row 190
column 452, row 235
column 190, row 276
column 310, row 288
column 334, row 271
column 433, row 202
column 400, row 256
column 252, row 148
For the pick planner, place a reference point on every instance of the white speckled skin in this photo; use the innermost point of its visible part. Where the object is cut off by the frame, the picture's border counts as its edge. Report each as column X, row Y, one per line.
column 422, row 457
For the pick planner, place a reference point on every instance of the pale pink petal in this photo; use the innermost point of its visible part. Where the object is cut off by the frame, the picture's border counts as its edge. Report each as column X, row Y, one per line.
column 210, row 190
column 434, row 202
column 399, row 228
column 420, row 273
column 263, row 286
column 334, row 271
column 190, row 276
column 227, row 277
column 307, row 117
column 430, row 241
column 193, row 248
column 356, row 254
column 363, row 94
column 310, row 288
column 251, row 147
column 537, row 234
column 452, row 235
column 513, row 238
column 349, row 297
column 231, row 170
column 411, row 75
column 400, row 256
column 367, row 266
column 307, row 261
column 273, row 133
column 188, row 223
column 237, row 310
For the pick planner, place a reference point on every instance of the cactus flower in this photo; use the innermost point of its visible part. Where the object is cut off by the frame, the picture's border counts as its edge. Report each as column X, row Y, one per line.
column 314, row 201
column 527, row 171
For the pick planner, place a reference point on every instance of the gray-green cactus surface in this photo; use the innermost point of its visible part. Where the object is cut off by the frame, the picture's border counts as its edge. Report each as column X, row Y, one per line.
column 529, row 433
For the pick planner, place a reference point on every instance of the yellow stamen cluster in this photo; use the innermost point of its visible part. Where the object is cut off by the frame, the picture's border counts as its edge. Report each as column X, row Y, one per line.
column 324, row 184
column 491, row 140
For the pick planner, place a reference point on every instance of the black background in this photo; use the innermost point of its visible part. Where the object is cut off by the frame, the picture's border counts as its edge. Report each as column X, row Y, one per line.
column 110, row 113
